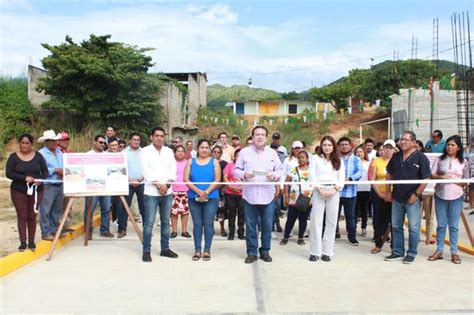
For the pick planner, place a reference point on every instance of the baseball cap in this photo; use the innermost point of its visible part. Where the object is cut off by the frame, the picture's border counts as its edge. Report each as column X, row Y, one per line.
column 276, row 135
column 390, row 142
column 64, row 136
column 235, row 137
column 297, row 144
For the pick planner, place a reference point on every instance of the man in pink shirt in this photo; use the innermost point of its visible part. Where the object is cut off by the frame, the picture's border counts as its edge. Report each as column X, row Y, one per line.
column 258, row 163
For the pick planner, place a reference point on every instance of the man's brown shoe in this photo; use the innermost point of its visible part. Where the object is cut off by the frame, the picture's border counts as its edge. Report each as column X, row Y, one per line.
column 266, row 258
column 251, row 259
column 107, row 234
column 375, row 250
column 121, row 234
column 436, row 256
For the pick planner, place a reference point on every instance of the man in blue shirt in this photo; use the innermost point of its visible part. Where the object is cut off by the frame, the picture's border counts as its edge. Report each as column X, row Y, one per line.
column 348, row 195
column 135, row 177
column 436, row 144
column 50, row 210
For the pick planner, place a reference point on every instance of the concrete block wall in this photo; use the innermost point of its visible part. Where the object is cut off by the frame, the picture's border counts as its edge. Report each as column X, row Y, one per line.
column 170, row 98
column 34, row 75
column 444, row 115
column 194, row 98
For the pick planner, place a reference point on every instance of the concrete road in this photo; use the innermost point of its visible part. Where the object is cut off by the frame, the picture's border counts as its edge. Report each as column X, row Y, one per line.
column 108, row 276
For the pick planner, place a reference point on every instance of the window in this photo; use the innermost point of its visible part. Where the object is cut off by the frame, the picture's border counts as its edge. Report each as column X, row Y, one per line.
column 292, row 109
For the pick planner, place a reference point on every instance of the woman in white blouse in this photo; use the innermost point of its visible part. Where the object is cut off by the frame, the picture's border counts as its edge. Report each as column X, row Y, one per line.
column 327, row 170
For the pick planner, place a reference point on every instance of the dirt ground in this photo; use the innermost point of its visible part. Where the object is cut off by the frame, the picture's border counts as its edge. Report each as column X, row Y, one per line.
column 8, row 223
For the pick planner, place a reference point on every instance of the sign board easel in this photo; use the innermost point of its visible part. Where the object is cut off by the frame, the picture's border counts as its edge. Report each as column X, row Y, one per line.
column 91, row 175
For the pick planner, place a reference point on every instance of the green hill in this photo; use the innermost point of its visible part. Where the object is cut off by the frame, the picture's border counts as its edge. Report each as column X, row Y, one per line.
column 218, row 95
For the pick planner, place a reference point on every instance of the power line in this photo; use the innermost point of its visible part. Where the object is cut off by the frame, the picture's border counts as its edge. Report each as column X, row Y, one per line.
column 317, row 66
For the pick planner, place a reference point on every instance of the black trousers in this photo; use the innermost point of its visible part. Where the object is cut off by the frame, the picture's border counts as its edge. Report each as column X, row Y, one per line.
column 235, row 205
column 362, row 207
column 382, row 218
column 292, row 216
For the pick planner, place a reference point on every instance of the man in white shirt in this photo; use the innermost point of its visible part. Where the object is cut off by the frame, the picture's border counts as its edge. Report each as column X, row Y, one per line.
column 159, row 170
column 369, row 148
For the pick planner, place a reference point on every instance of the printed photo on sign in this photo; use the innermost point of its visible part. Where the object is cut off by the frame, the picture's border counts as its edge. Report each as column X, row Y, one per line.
column 90, row 174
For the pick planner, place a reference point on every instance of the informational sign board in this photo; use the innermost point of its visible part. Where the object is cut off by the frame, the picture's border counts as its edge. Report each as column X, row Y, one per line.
column 432, row 157
column 95, row 174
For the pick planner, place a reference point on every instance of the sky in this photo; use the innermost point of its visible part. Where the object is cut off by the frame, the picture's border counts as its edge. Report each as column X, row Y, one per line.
column 280, row 45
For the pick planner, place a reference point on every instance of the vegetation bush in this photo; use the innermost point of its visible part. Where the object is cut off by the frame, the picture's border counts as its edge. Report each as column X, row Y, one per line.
column 16, row 111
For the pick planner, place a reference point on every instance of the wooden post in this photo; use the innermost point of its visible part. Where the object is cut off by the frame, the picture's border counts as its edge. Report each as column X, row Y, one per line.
column 87, row 227
column 130, row 216
column 60, row 228
column 468, row 230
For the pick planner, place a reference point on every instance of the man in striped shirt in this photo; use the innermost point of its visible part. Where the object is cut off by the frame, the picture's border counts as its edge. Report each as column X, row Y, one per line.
column 258, row 163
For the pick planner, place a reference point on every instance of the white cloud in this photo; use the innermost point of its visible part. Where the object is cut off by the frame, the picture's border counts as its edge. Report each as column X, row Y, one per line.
column 218, row 13
column 15, row 4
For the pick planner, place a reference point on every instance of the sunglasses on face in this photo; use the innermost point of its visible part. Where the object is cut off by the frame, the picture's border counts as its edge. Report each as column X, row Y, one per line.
column 101, row 142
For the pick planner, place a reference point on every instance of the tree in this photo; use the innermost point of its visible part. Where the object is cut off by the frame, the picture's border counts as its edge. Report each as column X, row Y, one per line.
column 293, row 95
column 336, row 93
column 102, row 82
column 16, row 110
column 358, row 82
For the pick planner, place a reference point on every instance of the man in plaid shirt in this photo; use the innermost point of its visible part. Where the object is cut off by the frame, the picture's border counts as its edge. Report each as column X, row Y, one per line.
column 348, row 195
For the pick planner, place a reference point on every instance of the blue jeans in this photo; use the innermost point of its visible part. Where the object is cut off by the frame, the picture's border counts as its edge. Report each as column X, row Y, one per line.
column 349, row 216
column 203, row 214
column 139, row 192
column 253, row 215
column 163, row 203
column 50, row 210
column 448, row 213
column 398, row 216
column 105, row 202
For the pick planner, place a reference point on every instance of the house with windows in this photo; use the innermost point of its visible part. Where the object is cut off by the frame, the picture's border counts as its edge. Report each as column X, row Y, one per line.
column 277, row 107
column 180, row 107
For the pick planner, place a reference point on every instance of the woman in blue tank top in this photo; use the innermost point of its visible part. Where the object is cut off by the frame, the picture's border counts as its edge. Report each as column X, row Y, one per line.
column 203, row 198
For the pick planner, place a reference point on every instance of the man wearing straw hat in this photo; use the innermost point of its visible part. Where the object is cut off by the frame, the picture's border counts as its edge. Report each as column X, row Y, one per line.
column 50, row 210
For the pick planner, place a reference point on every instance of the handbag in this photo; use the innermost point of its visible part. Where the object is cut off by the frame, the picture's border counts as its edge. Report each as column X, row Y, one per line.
column 302, row 202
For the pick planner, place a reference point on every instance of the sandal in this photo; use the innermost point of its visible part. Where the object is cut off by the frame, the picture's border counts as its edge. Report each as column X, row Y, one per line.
column 455, row 259
column 436, row 256
column 283, row 241
column 375, row 250
column 196, row 256
column 206, row 256
column 300, row 242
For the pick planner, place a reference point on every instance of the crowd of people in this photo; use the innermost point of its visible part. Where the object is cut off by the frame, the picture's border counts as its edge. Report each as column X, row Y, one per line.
column 176, row 179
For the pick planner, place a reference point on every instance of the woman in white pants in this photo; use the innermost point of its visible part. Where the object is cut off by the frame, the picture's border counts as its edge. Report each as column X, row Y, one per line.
column 326, row 166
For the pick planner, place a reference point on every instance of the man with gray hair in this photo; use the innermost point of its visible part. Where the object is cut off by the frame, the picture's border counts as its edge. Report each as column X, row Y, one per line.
column 407, row 164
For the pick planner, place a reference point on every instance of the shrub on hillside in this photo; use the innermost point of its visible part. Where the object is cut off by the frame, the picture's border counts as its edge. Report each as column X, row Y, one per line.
column 16, row 110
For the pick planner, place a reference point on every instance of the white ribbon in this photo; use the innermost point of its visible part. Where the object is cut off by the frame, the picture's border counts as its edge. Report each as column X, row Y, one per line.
column 33, row 189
